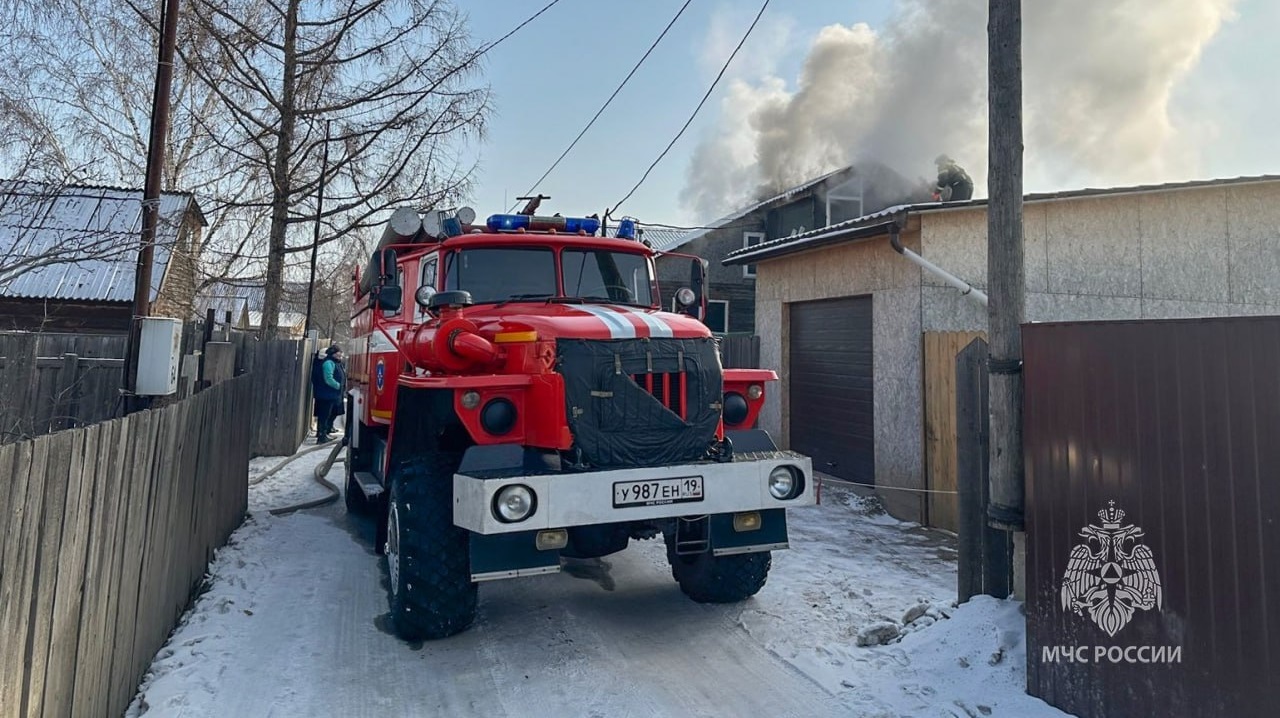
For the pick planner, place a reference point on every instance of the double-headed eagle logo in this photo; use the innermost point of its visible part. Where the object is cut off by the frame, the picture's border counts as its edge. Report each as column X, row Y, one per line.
column 1112, row 574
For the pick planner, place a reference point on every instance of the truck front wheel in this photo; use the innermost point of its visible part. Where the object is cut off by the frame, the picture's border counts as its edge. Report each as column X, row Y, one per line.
column 431, row 592
column 707, row 578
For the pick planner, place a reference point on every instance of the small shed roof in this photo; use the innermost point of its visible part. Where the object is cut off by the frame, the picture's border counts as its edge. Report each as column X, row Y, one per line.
column 660, row 238
column 879, row 222
column 81, row 242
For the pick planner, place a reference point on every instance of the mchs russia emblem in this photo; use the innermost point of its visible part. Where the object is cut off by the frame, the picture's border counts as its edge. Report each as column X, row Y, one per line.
column 1112, row 574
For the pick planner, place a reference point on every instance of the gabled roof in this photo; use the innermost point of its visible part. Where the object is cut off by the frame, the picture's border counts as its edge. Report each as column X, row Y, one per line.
column 879, row 222
column 763, row 204
column 81, row 242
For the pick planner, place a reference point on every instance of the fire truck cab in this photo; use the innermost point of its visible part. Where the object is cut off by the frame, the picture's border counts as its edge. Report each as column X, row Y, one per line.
column 519, row 396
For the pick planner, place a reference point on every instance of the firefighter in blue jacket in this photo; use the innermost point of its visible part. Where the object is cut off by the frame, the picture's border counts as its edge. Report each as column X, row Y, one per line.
column 328, row 381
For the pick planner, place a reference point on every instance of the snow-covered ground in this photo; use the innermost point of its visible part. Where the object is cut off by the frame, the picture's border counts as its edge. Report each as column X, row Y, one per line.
column 293, row 624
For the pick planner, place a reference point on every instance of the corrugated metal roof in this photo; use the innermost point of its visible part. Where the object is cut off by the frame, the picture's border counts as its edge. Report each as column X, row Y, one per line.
column 660, row 238
column 293, row 320
column 253, row 289
column 220, row 304
column 91, row 233
column 855, row 228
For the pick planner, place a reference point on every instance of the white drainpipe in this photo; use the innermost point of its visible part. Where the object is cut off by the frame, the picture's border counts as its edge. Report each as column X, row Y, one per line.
column 965, row 288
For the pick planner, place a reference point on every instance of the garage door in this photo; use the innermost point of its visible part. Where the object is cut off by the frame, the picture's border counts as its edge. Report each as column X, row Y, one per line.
column 830, row 378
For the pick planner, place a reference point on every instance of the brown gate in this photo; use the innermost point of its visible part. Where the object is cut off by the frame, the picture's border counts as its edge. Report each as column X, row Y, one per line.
column 1153, row 516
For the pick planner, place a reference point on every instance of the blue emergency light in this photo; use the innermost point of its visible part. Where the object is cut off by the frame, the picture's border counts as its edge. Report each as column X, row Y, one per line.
column 627, row 229
column 516, row 222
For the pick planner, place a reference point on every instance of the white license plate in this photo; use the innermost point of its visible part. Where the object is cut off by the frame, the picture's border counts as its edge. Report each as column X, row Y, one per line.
column 658, row 492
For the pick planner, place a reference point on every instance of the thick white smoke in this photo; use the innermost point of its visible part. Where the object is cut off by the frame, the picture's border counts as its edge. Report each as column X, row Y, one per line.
column 1098, row 79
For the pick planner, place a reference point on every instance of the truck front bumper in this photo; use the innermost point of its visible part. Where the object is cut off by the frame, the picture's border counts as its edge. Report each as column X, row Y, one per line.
column 565, row 500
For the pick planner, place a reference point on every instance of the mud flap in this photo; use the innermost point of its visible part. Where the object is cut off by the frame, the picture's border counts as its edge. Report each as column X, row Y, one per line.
column 746, row 441
column 771, row 536
column 498, row 556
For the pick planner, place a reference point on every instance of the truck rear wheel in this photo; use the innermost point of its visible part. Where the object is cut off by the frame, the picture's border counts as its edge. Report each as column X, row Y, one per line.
column 707, row 578
column 428, row 558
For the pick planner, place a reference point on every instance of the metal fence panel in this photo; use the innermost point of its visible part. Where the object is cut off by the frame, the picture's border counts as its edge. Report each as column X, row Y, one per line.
column 1161, row 609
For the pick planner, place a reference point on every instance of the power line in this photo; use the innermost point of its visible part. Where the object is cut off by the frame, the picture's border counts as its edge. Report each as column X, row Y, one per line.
column 698, row 108
column 516, row 29
column 607, row 102
column 690, row 228
column 468, row 61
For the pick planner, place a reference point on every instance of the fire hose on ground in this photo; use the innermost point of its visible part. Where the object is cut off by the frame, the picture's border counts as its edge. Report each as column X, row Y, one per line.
column 319, row 475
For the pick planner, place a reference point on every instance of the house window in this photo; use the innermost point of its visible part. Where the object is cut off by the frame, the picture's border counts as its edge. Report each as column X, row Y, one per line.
column 751, row 239
column 717, row 314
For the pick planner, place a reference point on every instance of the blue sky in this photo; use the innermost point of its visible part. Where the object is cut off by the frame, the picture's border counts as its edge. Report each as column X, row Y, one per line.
column 550, row 78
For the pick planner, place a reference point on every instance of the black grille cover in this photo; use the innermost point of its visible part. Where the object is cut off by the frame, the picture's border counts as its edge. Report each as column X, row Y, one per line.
column 616, row 422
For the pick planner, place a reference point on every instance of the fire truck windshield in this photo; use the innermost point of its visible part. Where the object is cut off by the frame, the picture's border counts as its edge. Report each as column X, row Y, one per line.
column 502, row 274
column 598, row 274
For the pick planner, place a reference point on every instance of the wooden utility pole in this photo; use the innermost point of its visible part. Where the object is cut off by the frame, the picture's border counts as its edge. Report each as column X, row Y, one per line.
column 1005, row 272
column 151, row 196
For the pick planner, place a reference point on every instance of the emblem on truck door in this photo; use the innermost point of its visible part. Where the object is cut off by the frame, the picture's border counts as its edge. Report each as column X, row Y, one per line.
column 380, row 375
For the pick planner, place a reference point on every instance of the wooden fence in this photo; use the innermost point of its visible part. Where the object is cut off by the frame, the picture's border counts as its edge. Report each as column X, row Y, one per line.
column 107, row 532
column 740, row 351
column 281, row 407
column 42, row 392
column 1151, row 502
column 50, row 382
column 940, row 352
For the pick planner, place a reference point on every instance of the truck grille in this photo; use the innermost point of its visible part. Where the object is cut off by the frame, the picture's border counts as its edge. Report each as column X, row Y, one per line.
column 641, row 402
column 667, row 387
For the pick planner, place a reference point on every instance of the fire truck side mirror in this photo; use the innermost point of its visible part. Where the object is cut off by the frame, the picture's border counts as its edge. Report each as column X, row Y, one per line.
column 698, row 283
column 381, row 271
column 387, row 298
column 385, row 293
column 386, row 266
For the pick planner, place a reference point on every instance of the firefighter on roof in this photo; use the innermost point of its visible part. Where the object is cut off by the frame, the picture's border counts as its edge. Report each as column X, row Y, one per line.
column 954, row 184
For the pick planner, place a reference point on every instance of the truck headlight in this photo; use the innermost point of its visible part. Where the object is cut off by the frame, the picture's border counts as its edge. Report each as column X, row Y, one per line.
column 785, row 483
column 513, row 503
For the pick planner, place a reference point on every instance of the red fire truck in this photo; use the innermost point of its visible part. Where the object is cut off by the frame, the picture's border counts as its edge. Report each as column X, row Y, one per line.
column 533, row 402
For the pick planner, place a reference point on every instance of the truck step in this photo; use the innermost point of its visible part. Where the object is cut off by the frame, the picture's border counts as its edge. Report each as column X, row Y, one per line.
column 693, row 537
column 369, row 485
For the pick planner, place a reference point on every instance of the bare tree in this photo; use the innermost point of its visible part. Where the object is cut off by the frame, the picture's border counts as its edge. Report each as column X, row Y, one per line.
column 256, row 83
column 75, row 109
column 388, row 76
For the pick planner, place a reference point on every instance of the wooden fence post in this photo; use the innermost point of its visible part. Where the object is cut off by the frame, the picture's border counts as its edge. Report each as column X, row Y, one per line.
column 66, row 396
column 17, row 387
column 984, row 551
